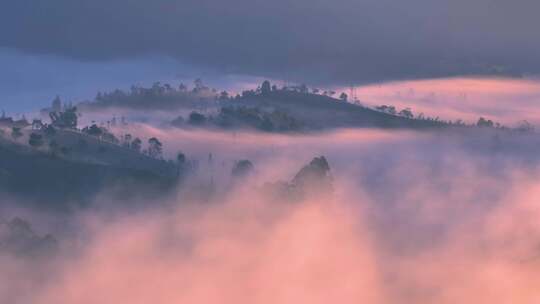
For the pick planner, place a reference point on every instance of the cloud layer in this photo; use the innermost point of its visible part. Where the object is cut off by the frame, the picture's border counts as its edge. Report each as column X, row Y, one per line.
column 342, row 41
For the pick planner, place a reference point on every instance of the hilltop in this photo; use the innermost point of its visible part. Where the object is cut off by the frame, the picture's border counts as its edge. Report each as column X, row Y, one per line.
column 317, row 112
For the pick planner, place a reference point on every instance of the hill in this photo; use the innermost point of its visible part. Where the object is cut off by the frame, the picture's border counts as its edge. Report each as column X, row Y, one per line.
column 77, row 168
column 320, row 111
column 294, row 111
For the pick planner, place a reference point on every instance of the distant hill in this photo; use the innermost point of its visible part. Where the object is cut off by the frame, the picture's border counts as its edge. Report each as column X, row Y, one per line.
column 314, row 111
column 293, row 111
column 85, row 168
column 56, row 182
column 267, row 108
column 320, row 111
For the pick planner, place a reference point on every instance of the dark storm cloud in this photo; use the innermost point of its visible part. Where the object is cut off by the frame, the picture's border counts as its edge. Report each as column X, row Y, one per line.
column 318, row 40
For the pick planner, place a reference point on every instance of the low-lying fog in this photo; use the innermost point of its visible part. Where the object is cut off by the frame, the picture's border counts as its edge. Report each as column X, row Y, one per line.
column 415, row 217
column 506, row 100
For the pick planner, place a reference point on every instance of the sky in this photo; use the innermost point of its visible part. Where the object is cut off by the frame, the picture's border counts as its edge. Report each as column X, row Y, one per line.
column 76, row 47
column 31, row 81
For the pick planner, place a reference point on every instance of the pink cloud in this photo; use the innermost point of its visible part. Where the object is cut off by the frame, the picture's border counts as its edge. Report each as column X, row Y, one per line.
column 505, row 100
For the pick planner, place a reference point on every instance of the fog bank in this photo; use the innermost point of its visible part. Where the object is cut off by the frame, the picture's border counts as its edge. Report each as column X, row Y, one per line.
column 414, row 218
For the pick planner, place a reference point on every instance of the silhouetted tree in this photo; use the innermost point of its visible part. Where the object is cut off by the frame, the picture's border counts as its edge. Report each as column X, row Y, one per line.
column 108, row 136
column 178, row 121
column 196, row 118
column 482, row 122
column 224, row 95
column 168, row 88
column 155, row 148
column 343, row 97
column 182, row 88
column 181, row 162
column 387, row 109
column 199, row 86
column 181, row 158
column 316, row 175
column 16, row 133
column 36, row 140
column 242, row 168
column 93, row 130
column 126, row 140
column 136, row 144
column 266, row 88
column 407, row 113
column 37, row 124
column 66, row 119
